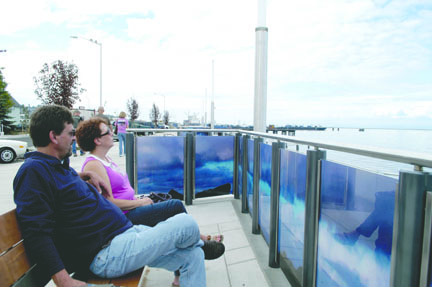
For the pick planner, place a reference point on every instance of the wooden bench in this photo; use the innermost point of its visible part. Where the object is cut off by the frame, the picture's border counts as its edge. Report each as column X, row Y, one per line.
column 16, row 269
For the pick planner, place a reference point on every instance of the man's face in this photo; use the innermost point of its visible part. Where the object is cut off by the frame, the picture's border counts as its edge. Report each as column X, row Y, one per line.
column 65, row 140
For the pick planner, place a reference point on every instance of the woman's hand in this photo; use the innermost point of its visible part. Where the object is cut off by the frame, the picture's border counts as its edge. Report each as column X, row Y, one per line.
column 145, row 201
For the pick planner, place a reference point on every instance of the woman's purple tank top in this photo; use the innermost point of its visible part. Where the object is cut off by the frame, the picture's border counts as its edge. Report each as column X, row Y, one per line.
column 119, row 181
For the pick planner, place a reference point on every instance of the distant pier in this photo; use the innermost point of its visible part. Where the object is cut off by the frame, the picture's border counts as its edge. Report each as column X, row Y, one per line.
column 290, row 130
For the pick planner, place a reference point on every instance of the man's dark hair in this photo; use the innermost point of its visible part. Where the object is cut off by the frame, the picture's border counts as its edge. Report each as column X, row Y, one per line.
column 46, row 119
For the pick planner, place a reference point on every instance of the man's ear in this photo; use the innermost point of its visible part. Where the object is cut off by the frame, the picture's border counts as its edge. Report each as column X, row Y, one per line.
column 53, row 137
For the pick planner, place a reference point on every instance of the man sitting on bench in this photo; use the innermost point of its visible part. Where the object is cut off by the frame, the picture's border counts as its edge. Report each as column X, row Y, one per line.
column 68, row 226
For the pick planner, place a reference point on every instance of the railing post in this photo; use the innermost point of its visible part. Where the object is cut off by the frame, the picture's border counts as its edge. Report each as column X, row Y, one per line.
column 189, row 168
column 130, row 159
column 256, row 179
column 312, row 199
column 245, row 207
column 408, row 226
column 274, row 204
column 427, row 237
column 237, row 159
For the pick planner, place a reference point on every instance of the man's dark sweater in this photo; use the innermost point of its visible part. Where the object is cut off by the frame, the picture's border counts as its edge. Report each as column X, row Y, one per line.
column 63, row 219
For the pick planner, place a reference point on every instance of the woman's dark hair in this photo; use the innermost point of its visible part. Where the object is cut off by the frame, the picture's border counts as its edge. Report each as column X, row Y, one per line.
column 46, row 119
column 87, row 131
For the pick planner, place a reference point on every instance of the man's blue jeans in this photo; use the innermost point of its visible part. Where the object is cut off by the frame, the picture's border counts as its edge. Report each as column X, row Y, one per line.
column 122, row 143
column 152, row 214
column 173, row 244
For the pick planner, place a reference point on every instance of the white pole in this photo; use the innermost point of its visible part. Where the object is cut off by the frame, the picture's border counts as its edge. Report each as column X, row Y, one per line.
column 100, row 76
column 205, row 108
column 212, row 102
column 261, row 48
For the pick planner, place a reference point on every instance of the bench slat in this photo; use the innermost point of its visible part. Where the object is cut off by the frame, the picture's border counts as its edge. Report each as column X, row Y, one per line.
column 13, row 265
column 9, row 232
column 14, row 262
column 130, row 280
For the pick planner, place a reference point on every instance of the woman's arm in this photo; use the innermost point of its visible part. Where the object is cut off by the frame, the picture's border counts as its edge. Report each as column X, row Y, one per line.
column 124, row 204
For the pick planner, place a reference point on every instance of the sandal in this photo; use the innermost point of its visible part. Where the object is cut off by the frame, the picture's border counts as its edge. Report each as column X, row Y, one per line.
column 213, row 249
column 217, row 238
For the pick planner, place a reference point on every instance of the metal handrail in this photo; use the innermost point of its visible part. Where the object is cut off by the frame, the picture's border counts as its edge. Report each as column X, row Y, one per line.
column 419, row 160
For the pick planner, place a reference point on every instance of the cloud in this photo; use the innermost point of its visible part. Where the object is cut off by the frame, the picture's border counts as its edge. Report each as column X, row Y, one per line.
column 325, row 60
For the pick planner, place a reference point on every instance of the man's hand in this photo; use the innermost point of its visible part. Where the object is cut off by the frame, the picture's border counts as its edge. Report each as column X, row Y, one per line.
column 96, row 181
column 62, row 279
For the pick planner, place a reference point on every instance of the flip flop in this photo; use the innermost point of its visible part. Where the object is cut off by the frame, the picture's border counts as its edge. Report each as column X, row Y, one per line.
column 217, row 238
column 213, row 249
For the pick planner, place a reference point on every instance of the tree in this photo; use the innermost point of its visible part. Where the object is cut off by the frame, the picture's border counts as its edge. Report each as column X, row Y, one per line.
column 6, row 105
column 155, row 114
column 58, row 84
column 133, row 110
column 166, row 118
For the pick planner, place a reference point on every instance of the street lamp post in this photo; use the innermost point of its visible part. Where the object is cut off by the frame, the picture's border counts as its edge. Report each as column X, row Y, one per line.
column 100, row 59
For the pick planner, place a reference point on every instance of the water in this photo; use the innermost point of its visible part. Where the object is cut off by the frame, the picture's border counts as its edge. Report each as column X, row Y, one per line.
column 419, row 141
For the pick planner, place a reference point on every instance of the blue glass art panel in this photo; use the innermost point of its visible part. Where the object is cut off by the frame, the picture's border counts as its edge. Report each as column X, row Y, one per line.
column 250, row 160
column 292, row 209
column 160, row 164
column 214, row 160
column 240, row 169
column 265, row 189
column 355, row 227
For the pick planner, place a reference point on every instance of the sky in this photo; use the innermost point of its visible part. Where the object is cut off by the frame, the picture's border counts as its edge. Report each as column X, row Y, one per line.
column 335, row 63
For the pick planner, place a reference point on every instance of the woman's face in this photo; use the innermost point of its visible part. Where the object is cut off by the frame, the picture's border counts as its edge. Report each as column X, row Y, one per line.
column 105, row 137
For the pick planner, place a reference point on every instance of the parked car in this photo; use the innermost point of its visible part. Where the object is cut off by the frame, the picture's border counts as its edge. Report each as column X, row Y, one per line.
column 140, row 125
column 10, row 150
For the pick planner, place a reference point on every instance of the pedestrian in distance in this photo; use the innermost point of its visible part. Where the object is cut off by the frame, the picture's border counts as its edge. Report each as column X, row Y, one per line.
column 121, row 125
column 101, row 115
column 77, row 119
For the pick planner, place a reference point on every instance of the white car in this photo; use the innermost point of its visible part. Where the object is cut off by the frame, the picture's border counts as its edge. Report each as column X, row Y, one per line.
column 10, row 150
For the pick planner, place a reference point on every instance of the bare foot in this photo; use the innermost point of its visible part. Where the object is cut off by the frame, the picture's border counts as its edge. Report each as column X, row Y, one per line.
column 217, row 238
column 176, row 281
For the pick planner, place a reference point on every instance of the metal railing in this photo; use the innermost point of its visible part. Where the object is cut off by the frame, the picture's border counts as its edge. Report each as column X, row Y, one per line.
column 410, row 262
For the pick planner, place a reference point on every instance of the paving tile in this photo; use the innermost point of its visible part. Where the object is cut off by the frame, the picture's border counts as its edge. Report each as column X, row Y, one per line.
column 238, row 255
column 214, row 213
column 211, row 229
column 156, row 277
column 235, row 239
column 247, row 274
column 217, row 273
column 232, row 225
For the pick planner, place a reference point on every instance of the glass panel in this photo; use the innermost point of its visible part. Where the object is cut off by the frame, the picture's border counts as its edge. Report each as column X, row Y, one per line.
column 214, row 161
column 292, row 210
column 355, row 227
column 250, row 156
column 264, row 190
column 240, row 169
column 160, row 164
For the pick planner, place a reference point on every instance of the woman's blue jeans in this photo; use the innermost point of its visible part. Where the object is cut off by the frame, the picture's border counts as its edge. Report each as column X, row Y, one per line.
column 122, row 143
column 173, row 244
column 152, row 214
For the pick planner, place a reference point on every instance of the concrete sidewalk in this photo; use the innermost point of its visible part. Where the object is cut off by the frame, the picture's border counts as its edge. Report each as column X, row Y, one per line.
column 246, row 255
